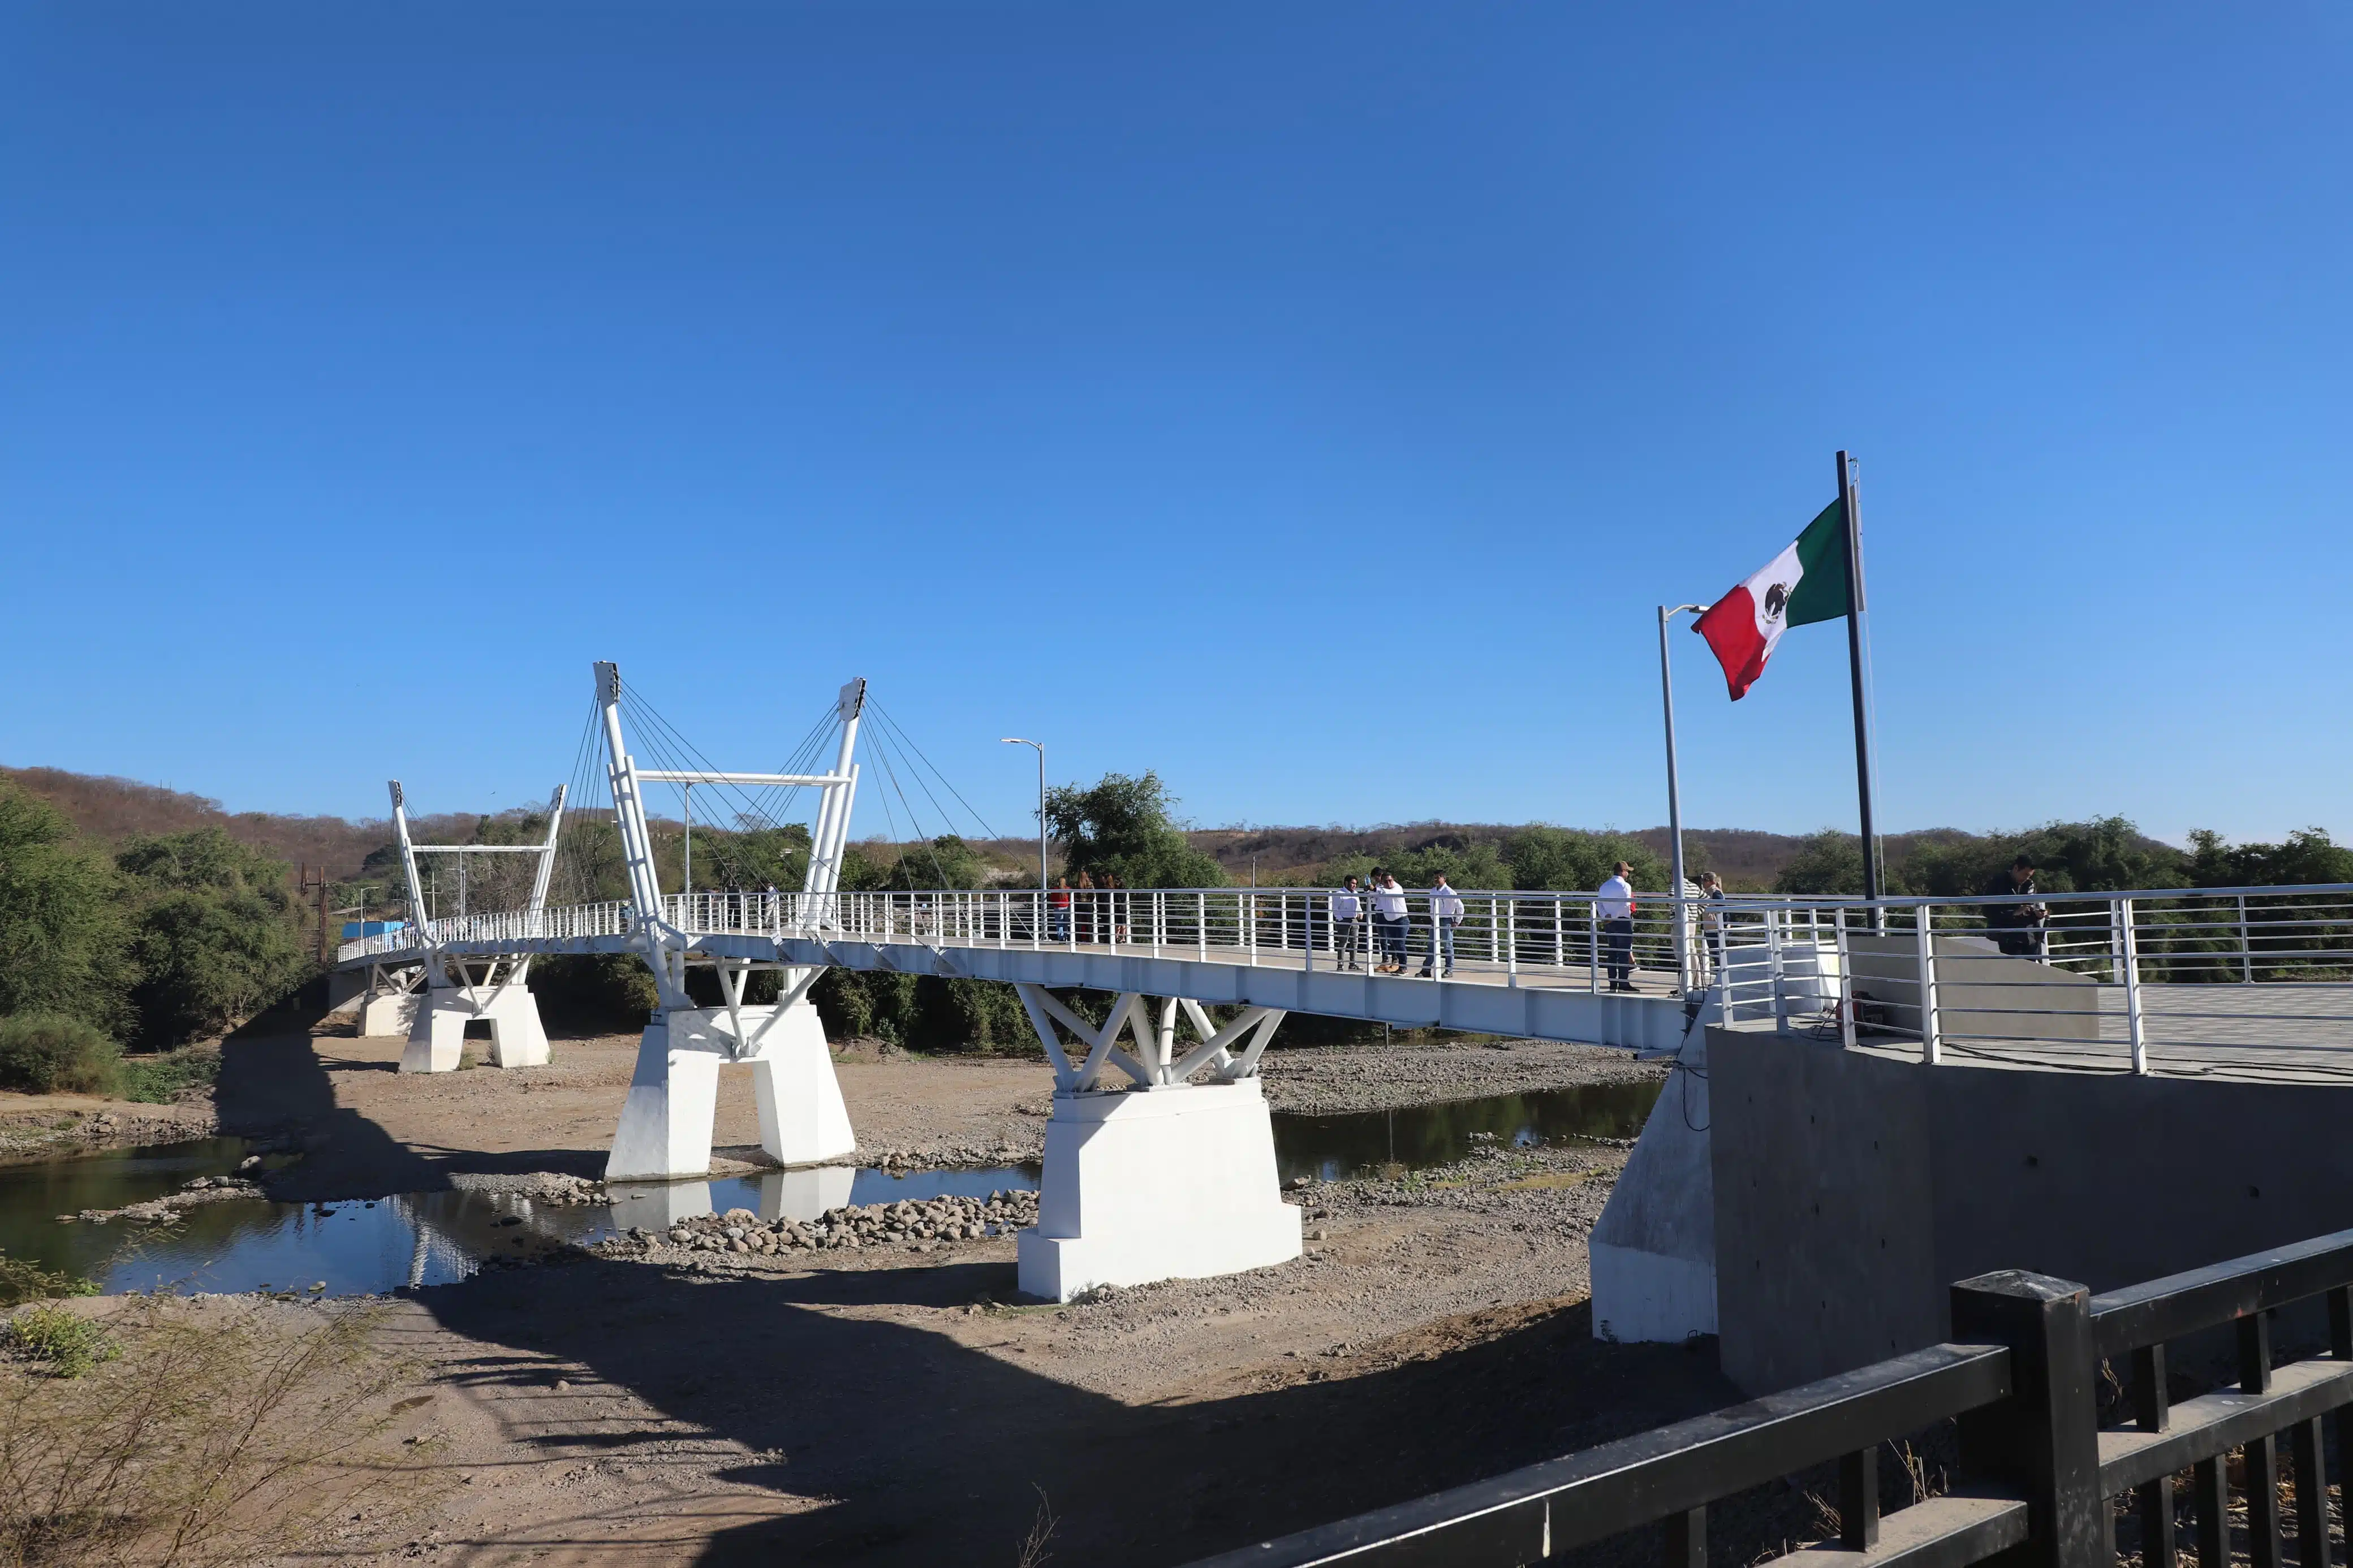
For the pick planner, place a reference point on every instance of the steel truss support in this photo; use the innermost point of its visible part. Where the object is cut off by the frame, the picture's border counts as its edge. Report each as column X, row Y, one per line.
column 1152, row 1062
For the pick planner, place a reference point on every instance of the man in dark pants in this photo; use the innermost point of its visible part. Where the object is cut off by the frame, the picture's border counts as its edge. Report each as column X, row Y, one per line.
column 1614, row 902
column 2016, row 927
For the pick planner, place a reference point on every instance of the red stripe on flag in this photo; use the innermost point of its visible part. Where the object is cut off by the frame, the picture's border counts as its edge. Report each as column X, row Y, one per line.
column 1730, row 627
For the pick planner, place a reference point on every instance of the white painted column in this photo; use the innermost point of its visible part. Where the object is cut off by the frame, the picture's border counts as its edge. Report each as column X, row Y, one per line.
column 1174, row 1182
column 803, row 1121
column 665, row 1131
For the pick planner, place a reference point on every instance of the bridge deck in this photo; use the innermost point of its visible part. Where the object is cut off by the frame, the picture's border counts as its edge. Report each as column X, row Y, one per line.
column 2271, row 1032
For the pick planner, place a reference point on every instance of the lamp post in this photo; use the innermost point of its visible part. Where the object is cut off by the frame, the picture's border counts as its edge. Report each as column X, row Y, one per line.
column 1674, row 793
column 1040, row 745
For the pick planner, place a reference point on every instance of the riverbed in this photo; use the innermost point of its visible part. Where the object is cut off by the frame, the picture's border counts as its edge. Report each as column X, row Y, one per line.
column 395, row 1240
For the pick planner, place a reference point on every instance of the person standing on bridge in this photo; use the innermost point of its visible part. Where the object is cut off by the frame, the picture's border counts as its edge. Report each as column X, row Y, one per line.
column 1086, row 906
column 1346, row 910
column 1060, row 901
column 1388, row 922
column 1711, row 929
column 1615, row 904
column 2018, row 928
column 1445, row 914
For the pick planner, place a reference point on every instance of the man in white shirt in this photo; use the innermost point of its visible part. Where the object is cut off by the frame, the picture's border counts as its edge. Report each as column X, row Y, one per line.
column 1445, row 914
column 1388, row 922
column 1614, row 903
column 1347, row 909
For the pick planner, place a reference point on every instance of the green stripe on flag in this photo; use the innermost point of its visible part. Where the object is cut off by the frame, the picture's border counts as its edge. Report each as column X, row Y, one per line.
column 1821, row 592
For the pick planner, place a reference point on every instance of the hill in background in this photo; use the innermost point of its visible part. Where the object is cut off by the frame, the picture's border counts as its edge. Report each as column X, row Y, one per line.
column 110, row 809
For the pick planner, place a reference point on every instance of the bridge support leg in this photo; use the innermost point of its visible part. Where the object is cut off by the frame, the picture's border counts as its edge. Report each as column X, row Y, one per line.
column 518, row 1039
column 388, row 1005
column 437, row 1034
column 1171, row 1182
column 437, row 1030
column 803, row 1121
column 665, row 1131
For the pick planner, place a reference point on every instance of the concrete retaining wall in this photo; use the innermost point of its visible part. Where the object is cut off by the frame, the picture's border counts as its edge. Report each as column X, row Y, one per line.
column 1851, row 1190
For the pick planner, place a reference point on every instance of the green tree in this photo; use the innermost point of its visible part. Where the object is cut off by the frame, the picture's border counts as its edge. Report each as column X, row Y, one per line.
column 1126, row 827
column 1566, row 860
column 1831, row 862
column 947, row 861
column 2309, row 857
column 218, row 934
column 64, row 938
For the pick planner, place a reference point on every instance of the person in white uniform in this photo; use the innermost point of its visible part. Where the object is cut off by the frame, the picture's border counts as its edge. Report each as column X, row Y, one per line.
column 1614, row 903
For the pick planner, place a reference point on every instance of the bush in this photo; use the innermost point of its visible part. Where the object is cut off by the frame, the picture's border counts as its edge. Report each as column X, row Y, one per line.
column 49, row 1053
column 157, row 1079
column 212, row 1438
column 64, row 1343
column 21, row 1282
column 610, row 993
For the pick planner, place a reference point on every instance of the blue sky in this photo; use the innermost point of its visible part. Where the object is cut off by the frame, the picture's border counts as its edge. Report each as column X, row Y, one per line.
column 1309, row 402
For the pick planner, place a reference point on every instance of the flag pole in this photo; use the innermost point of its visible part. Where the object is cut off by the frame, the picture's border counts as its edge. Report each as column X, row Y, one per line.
column 1854, row 609
column 1675, row 796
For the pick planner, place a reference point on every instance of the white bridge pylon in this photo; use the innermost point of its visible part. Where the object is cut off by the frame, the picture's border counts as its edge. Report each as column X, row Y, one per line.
column 1169, row 1179
column 667, row 1121
column 462, row 989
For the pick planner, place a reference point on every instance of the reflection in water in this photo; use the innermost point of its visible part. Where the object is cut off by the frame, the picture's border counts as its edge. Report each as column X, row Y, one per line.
column 376, row 1245
column 433, row 1239
column 1379, row 1142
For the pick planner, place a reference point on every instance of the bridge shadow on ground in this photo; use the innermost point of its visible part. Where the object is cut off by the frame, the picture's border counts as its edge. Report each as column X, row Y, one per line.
column 925, row 1450
column 274, row 1084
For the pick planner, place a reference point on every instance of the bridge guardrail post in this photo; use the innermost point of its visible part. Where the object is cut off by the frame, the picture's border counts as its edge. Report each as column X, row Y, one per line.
column 2246, row 947
column 1593, row 945
column 2044, row 1438
column 2134, row 1027
column 1931, row 1044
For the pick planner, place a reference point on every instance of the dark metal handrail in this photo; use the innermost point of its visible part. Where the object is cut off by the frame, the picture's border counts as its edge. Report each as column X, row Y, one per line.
column 2025, row 1390
column 1527, row 1514
column 2184, row 1303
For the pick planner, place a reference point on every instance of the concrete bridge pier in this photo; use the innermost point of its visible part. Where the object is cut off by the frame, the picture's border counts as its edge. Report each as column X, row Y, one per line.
column 437, row 1031
column 381, row 998
column 1166, row 1178
column 673, row 1101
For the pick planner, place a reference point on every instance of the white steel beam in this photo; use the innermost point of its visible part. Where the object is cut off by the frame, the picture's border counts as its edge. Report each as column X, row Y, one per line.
column 672, row 775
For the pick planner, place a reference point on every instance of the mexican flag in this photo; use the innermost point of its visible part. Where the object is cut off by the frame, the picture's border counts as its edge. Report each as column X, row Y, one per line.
column 1805, row 584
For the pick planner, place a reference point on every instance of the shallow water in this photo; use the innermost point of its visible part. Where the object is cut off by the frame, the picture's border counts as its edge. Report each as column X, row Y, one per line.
column 369, row 1246
column 434, row 1238
column 1378, row 1143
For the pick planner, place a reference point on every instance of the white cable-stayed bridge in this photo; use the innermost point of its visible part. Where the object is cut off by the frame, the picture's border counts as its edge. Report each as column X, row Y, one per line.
column 1159, row 1151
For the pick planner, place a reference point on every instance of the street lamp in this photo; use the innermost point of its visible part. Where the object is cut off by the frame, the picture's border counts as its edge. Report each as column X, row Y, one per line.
column 1674, row 793
column 1017, row 740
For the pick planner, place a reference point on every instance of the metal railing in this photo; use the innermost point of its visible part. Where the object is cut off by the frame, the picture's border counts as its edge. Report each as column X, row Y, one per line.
column 2259, row 979
column 2023, row 1382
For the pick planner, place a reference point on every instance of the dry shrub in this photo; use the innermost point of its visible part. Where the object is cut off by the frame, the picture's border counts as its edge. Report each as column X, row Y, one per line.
column 218, row 1434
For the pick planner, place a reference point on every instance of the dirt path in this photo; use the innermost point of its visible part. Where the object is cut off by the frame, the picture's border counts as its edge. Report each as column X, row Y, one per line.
column 896, row 1407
